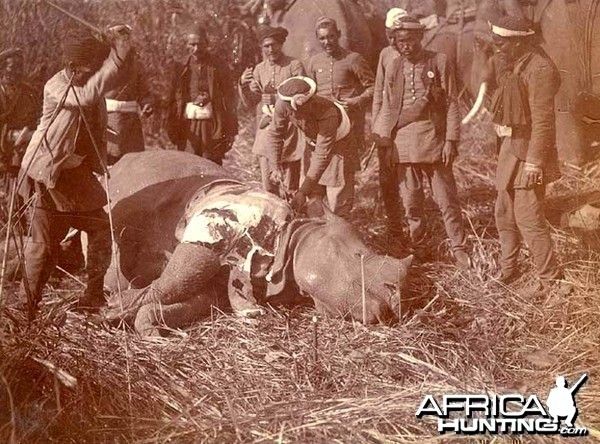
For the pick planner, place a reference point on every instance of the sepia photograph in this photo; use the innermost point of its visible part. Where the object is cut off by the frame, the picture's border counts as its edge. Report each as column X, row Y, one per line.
column 299, row 221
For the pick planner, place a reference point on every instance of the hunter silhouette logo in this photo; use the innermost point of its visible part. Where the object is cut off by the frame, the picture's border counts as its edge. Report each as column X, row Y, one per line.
column 561, row 400
column 507, row 414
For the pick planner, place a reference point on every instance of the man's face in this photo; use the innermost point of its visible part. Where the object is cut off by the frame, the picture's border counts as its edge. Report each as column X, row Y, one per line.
column 408, row 43
column 196, row 45
column 509, row 47
column 82, row 73
column 12, row 70
column 271, row 49
column 329, row 39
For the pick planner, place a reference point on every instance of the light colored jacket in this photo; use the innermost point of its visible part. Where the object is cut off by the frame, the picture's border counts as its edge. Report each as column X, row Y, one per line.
column 52, row 146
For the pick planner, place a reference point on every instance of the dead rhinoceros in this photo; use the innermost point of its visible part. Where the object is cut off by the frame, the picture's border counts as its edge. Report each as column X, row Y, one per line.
column 184, row 223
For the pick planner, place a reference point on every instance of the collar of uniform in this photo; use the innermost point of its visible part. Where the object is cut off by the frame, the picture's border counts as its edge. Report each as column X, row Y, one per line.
column 423, row 56
column 343, row 52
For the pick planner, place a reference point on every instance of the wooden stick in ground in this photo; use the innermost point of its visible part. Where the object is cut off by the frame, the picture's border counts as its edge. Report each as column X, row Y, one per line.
column 399, row 295
column 315, row 340
column 363, row 289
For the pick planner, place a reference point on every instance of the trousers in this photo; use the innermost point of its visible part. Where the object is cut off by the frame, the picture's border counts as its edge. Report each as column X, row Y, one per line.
column 389, row 186
column 48, row 228
column 412, row 177
column 519, row 215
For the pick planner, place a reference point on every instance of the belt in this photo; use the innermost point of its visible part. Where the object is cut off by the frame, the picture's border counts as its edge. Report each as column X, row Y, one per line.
column 121, row 106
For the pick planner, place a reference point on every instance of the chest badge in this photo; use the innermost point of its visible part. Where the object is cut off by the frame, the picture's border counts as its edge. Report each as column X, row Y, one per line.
column 430, row 74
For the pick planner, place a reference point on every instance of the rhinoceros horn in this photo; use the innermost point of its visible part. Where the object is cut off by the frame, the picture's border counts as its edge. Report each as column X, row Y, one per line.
column 403, row 270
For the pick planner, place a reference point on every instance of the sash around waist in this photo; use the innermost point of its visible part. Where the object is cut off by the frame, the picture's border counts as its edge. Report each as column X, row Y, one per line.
column 121, row 106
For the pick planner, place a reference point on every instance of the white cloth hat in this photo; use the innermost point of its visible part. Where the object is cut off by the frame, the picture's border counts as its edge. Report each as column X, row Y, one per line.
column 393, row 15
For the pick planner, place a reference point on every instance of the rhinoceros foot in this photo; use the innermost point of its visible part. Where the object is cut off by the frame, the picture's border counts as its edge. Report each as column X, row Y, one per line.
column 186, row 291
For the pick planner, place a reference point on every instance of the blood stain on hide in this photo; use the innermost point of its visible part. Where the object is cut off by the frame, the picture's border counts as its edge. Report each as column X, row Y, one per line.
column 266, row 232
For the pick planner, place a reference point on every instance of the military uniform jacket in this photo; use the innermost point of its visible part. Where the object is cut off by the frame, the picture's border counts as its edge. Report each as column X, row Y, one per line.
column 534, row 142
column 385, row 63
column 319, row 120
column 389, row 87
column 267, row 77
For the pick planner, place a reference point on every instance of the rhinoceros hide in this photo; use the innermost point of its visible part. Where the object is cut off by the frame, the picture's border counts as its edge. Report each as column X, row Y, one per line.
column 149, row 192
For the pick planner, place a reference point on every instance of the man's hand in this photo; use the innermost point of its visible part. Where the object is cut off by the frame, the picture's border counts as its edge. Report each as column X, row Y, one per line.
column 247, row 76
column 533, row 175
column 120, row 38
column 449, row 153
column 298, row 201
column 276, row 176
column 147, row 110
column 350, row 102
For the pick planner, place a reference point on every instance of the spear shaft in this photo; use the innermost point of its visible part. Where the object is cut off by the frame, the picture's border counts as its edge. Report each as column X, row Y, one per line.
column 79, row 20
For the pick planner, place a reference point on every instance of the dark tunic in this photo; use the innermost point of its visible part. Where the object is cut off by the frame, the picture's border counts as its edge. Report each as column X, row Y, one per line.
column 20, row 107
column 127, row 135
column 209, row 78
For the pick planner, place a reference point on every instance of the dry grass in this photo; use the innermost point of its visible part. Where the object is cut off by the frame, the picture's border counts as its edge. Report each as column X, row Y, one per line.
column 264, row 380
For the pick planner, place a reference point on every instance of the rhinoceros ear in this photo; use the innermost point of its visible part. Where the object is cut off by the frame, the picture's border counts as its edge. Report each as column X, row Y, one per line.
column 403, row 269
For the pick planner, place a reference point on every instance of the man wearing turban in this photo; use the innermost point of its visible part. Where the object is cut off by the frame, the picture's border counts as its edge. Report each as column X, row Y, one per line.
column 326, row 128
column 202, row 110
column 388, row 178
column 67, row 148
column 523, row 115
column 418, row 131
column 346, row 78
column 258, row 86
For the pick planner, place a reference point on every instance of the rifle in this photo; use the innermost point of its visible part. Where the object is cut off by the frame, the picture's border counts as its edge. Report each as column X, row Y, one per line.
column 573, row 389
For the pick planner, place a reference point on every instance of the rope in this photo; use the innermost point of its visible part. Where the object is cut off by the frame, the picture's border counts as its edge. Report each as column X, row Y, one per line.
column 107, row 191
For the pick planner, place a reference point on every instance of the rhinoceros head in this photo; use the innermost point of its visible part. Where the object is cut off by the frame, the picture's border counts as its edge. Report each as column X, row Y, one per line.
column 334, row 267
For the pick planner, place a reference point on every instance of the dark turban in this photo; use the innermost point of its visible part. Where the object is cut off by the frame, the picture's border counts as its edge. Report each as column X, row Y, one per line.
column 407, row 23
column 511, row 26
column 196, row 29
column 265, row 32
column 296, row 85
column 82, row 48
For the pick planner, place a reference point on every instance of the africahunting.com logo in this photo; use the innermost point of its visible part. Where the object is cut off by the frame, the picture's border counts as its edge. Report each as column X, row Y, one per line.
column 507, row 414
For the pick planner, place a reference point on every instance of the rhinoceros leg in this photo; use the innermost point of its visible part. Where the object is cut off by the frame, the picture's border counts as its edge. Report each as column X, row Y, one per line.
column 188, row 275
column 152, row 318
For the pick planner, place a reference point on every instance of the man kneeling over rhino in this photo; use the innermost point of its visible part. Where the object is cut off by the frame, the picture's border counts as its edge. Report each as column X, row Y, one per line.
column 235, row 239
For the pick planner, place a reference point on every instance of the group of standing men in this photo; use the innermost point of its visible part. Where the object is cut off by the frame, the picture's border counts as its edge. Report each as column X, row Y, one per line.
column 415, row 121
column 305, row 146
column 310, row 133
